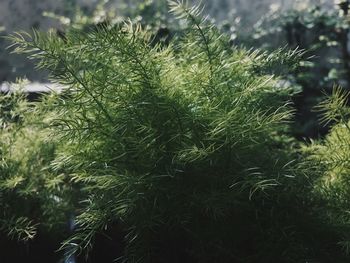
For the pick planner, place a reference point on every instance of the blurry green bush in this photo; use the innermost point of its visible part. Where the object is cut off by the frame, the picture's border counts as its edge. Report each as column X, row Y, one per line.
column 329, row 160
column 33, row 198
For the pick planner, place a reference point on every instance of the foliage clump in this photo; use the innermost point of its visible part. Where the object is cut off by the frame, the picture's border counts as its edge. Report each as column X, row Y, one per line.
column 330, row 159
column 184, row 146
column 30, row 193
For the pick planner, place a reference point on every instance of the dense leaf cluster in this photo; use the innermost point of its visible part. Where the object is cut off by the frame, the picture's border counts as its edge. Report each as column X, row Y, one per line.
column 30, row 192
column 184, row 147
column 329, row 159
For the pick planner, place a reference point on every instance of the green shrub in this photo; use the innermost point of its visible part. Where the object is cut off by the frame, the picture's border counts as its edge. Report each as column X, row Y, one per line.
column 329, row 160
column 30, row 193
column 186, row 147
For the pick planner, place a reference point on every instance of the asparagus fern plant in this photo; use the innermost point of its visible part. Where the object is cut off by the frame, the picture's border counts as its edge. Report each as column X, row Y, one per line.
column 329, row 160
column 31, row 194
column 185, row 146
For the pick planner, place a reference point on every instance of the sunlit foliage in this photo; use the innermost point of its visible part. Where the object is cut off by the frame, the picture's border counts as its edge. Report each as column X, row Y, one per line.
column 184, row 146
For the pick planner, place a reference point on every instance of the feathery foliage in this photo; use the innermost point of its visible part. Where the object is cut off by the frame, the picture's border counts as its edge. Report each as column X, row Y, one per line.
column 329, row 159
column 185, row 146
column 30, row 193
